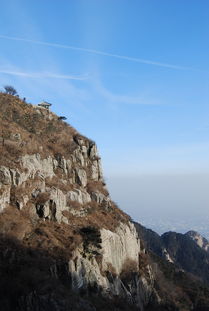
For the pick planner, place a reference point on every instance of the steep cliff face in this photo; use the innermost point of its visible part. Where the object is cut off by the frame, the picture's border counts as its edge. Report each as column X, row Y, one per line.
column 64, row 244
column 53, row 199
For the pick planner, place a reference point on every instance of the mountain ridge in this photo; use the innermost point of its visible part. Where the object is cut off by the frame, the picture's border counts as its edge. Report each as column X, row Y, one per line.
column 178, row 248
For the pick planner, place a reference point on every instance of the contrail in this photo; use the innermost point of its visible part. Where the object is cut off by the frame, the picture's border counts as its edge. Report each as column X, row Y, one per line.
column 42, row 75
column 91, row 51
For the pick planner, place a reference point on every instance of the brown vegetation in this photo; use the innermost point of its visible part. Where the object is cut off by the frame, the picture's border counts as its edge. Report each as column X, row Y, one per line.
column 42, row 198
column 58, row 183
column 110, row 272
column 130, row 267
column 35, row 129
column 93, row 186
column 54, row 238
column 143, row 262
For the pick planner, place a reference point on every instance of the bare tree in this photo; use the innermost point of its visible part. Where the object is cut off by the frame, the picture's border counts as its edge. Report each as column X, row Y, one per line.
column 10, row 90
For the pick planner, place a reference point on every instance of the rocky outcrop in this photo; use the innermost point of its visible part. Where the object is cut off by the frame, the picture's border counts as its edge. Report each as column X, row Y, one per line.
column 120, row 251
column 119, row 246
column 199, row 240
column 82, row 166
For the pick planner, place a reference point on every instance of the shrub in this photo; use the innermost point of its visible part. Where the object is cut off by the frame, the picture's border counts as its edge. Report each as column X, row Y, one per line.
column 130, row 266
column 91, row 236
column 42, row 197
column 143, row 261
column 62, row 118
column 93, row 186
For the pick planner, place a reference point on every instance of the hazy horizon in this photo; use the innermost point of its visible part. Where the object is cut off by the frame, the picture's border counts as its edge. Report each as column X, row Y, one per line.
column 166, row 202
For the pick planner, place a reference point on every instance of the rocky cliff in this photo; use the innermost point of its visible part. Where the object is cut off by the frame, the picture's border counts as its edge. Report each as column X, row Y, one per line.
column 64, row 244
column 53, row 199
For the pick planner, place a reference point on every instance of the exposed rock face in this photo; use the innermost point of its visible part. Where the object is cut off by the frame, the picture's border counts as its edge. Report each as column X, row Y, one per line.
column 119, row 246
column 59, row 191
column 81, row 177
column 39, row 172
column 200, row 240
column 35, row 166
column 5, row 178
column 79, row 196
column 118, row 249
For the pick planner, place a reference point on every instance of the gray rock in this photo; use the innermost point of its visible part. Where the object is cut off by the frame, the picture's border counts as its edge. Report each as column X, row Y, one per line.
column 93, row 151
column 34, row 164
column 16, row 136
column 79, row 157
column 81, row 177
column 5, row 177
column 79, row 196
column 58, row 203
column 4, row 197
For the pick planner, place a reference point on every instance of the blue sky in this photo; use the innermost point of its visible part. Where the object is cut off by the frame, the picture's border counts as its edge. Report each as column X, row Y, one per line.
column 131, row 75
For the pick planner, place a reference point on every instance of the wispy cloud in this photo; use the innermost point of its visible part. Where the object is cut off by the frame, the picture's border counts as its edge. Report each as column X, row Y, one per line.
column 92, row 51
column 115, row 98
column 49, row 84
column 42, row 75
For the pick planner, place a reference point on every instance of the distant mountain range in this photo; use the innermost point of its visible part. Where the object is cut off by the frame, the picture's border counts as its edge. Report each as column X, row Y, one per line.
column 165, row 224
column 189, row 251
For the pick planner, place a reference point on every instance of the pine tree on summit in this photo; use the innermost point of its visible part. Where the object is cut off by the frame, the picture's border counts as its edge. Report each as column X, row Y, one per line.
column 10, row 90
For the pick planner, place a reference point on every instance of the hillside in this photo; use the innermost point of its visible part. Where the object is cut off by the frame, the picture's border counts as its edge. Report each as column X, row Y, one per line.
column 64, row 244
column 60, row 230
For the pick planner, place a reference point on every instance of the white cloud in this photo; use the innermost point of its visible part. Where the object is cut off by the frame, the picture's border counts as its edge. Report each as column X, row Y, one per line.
column 39, row 75
column 92, row 51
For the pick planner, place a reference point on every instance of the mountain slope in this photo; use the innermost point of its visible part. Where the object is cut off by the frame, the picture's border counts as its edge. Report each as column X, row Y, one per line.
column 60, row 231
column 64, row 245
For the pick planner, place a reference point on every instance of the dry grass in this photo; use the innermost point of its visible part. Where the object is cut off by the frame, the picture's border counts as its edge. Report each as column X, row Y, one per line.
column 59, row 239
column 93, row 186
column 14, row 223
column 42, row 197
column 97, row 217
column 143, row 262
column 35, row 130
column 56, row 182
column 74, row 204
column 46, row 235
